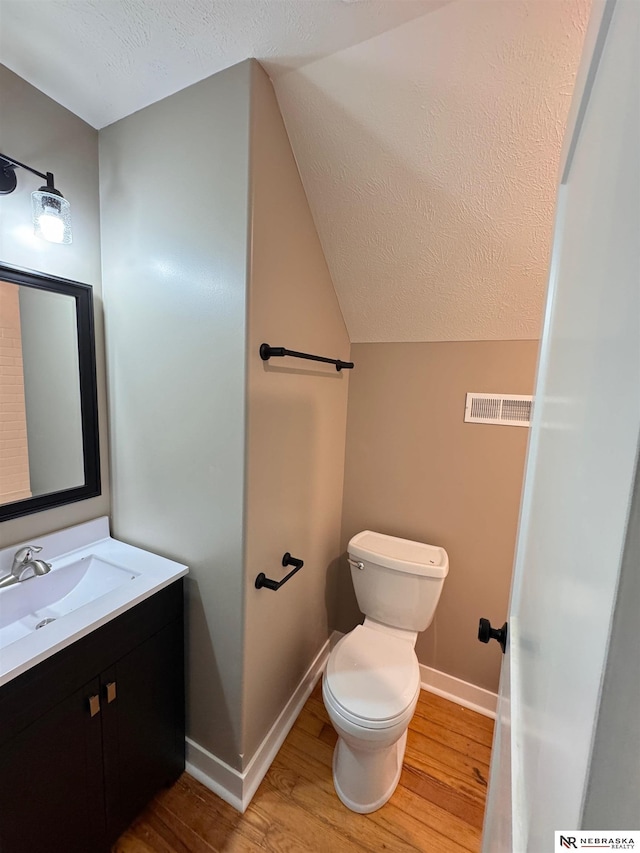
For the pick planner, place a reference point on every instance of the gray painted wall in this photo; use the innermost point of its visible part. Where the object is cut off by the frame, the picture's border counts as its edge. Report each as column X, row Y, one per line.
column 174, row 196
column 38, row 131
column 52, row 390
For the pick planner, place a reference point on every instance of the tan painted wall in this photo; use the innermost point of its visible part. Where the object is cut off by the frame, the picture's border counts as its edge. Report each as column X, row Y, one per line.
column 38, row 131
column 296, row 426
column 415, row 469
column 14, row 450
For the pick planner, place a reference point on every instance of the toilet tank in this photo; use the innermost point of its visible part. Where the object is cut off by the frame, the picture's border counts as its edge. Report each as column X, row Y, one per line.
column 397, row 582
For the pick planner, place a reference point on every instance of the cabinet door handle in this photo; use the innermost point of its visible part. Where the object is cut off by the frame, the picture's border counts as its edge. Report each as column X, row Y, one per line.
column 110, row 690
column 94, row 704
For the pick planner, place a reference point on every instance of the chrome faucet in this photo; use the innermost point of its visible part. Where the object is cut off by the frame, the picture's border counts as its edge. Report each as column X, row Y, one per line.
column 25, row 566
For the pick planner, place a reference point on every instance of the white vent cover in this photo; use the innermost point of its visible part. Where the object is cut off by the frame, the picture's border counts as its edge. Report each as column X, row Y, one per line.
column 506, row 409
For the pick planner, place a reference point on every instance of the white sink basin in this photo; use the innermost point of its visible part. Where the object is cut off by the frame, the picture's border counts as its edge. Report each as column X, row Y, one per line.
column 26, row 605
column 93, row 579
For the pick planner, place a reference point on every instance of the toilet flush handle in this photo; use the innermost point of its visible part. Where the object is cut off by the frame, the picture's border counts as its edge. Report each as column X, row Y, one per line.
column 357, row 564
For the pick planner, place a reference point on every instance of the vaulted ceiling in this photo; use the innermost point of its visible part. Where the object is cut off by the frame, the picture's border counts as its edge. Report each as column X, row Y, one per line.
column 429, row 155
column 427, row 132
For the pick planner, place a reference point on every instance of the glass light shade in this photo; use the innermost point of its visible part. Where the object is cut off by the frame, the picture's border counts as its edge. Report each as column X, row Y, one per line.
column 51, row 217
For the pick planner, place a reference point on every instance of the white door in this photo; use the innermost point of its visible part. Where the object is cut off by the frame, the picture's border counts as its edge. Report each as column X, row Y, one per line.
column 582, row 455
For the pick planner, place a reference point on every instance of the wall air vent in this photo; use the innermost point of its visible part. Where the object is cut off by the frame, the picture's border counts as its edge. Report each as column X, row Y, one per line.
column 505, row 409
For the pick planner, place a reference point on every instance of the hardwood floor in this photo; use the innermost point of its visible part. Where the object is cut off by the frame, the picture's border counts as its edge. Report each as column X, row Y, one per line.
column 438, row 805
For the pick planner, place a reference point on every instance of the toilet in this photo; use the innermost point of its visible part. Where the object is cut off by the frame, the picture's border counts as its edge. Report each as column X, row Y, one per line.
column 371, row 683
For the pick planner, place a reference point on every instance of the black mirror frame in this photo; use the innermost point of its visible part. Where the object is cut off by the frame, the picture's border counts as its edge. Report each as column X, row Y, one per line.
column 83, row 295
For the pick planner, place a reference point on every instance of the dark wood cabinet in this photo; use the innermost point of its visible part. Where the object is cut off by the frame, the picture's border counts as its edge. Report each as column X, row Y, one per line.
column 50, row 781
column 88, row 736
column 142, row 726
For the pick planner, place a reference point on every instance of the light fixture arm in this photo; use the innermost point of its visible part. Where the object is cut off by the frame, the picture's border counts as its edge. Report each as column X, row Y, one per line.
column 7, row 176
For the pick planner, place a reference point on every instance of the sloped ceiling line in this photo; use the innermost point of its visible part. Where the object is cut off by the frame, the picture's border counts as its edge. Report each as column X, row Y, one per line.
column 427, row 132
column 429, row 155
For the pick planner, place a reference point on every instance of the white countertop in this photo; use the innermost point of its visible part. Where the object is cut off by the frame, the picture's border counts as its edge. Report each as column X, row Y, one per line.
column 149, row 574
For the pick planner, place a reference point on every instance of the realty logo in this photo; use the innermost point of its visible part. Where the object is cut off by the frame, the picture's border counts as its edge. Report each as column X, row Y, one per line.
column 613, row 839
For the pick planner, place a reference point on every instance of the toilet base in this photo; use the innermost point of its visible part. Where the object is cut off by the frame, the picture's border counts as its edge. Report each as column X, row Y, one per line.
column 365, row 780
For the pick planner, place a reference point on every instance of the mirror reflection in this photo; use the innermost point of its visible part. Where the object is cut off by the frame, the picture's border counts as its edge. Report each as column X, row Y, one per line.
column 41, row 443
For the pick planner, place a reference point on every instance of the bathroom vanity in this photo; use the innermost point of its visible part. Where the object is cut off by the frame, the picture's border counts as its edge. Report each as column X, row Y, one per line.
column 92, row 703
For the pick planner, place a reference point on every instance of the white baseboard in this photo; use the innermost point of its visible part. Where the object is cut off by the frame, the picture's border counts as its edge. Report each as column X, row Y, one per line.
column 458, row 691
column 215, row 774
column 238, row 787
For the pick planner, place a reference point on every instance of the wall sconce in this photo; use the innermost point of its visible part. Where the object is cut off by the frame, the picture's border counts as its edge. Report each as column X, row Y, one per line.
column 51, row 211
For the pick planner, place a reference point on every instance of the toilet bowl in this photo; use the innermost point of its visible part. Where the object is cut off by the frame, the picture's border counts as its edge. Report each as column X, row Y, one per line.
column 370, row 690
column 371, row 683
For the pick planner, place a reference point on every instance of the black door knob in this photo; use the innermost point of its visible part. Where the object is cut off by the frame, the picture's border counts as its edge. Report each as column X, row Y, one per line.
column 486, row 633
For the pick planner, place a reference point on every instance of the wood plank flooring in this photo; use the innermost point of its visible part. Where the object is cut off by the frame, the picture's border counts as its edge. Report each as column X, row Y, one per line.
column 438, row 805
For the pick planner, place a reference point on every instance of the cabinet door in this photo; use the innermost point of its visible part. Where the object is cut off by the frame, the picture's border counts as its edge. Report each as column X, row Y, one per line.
column 51, row 785
column 143, row 725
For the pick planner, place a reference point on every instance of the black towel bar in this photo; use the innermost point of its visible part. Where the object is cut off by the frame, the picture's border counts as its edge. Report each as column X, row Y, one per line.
column 267, row 352
column 268, row 583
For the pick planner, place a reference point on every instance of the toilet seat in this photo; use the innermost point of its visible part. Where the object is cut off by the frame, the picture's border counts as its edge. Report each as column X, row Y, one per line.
column 373, row 678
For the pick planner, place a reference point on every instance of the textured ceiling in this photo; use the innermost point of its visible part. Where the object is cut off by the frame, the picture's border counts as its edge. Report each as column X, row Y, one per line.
column 105, row 59
column 429, row 155
column 427, row 132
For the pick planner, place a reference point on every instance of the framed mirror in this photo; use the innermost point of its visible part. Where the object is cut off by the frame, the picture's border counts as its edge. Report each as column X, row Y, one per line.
column 49, row 449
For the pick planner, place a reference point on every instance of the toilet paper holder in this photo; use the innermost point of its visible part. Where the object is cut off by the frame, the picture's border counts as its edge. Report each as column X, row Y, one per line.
column 268, row 583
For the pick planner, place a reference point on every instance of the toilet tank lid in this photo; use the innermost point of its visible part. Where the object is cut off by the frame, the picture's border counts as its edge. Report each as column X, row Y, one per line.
column 402, row 555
